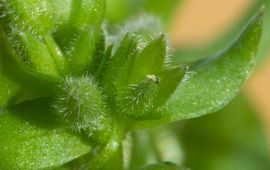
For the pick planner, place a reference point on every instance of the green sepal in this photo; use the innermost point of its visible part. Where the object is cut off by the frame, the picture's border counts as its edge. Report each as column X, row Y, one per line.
column 32, row 139
column 150, row 61
column 79, row 37
column 117, row 68
column 80, row 106
column 145, row 28
column 170, row 78
column 37, row 55
column 137, row 101
column 103, row 64
column 87, row 12
column 99, row 56
column 81, row 53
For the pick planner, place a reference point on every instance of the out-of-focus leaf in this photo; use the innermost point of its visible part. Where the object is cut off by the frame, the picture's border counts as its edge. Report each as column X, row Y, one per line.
column 158, row 145
column 265, row 41
column 162, row 166
column 212, row 83
column 142, row 143
column 30, row 138
column 230, row 139
column 114, row 162
column 184, row 55
column 119, row 10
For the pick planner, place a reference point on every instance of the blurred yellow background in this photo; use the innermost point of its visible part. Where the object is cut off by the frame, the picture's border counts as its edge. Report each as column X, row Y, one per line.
column 201, row 21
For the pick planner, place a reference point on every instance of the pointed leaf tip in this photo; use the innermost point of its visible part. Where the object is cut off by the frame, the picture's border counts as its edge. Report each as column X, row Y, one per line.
column 214, row 82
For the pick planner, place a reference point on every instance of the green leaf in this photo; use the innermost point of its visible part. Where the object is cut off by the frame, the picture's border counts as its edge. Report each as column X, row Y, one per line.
column 162, row 166
column 265, row 41
column 38, row 41
column 8, row 89
column 40, row 20
column 212, row 83
column 115, row 71
column 43, row 16
column 79, row 37
column 82, row 51
column 118, row 66
column 30, row 138
column 158, row 145
column 33, row 47
column 16, row 80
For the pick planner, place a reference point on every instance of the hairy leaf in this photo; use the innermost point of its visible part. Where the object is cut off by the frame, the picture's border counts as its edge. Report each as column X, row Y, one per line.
column 16, row 79
column 31, row 139
column 150, row 61
column 43, row 16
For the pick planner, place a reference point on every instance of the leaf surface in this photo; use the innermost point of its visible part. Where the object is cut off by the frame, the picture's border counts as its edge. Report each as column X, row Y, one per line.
column 31, row 139
column 212, row 83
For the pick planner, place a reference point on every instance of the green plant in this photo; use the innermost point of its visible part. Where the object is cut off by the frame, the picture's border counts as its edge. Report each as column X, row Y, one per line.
column 71, row 89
